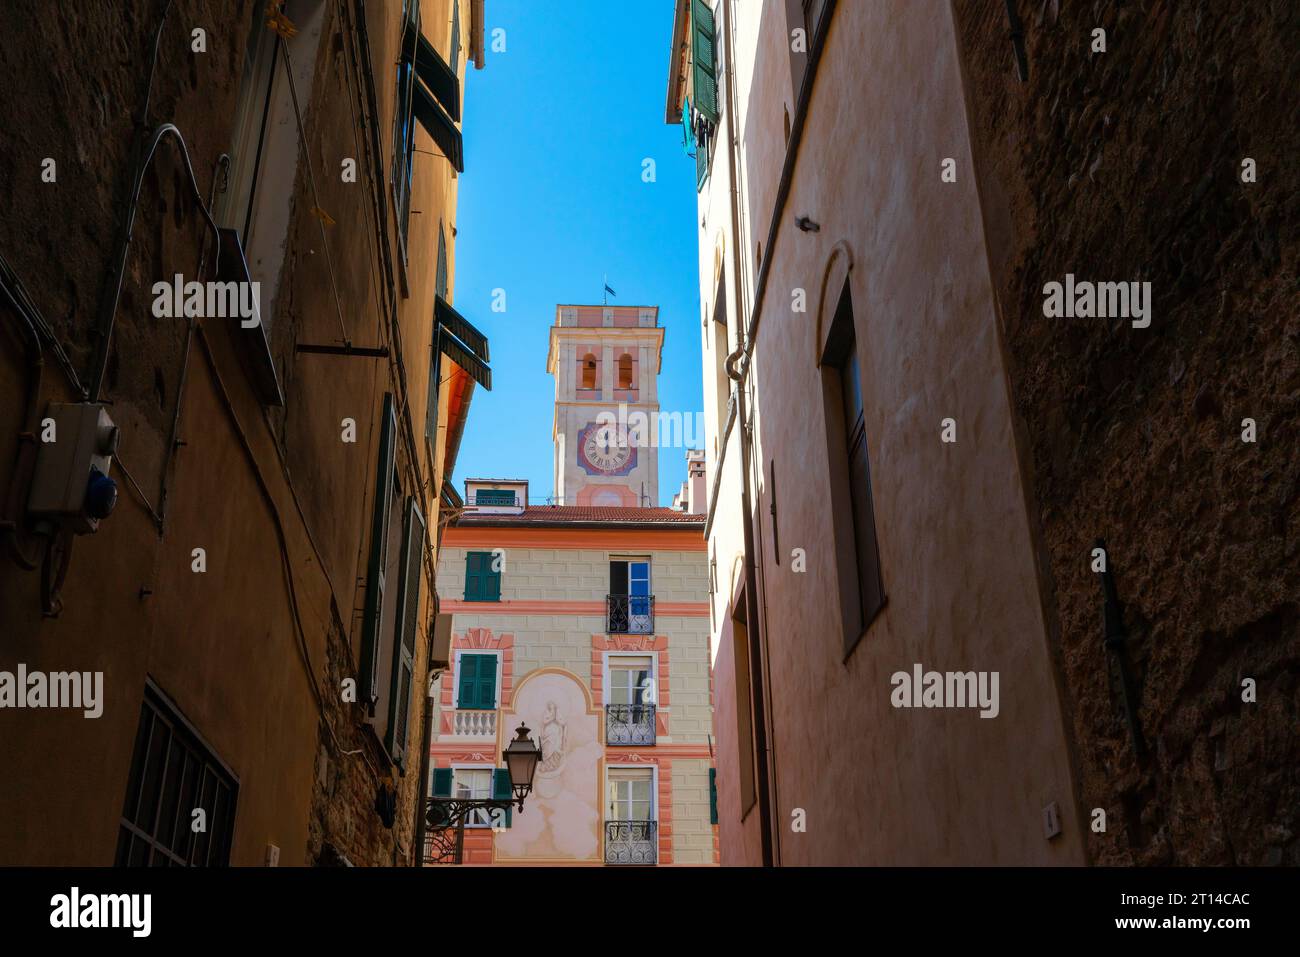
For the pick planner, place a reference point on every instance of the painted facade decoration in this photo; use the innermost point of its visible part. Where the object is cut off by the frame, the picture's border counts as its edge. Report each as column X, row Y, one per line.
column 561, row 819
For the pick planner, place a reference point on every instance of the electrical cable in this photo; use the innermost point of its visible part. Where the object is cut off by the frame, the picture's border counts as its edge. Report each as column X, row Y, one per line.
column 311, row 179
column 106, row 330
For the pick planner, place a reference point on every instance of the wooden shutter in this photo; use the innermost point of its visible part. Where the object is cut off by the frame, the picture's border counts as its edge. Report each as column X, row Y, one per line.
column 408, row 622
column 501, row 789
column 491, row 577
column 439, row 125
column 703, row 65
column 373, row 626
column 437, row 816
column 440, row 77
column 442, row 782
column 487, row 681
column 467, row 693
column 475, row 587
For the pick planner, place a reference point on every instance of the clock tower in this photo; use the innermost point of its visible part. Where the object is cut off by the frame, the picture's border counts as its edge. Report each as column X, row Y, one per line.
column 606, row 362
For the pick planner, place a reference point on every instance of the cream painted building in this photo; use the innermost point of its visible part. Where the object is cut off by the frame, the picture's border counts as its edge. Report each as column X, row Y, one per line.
column 587, row 622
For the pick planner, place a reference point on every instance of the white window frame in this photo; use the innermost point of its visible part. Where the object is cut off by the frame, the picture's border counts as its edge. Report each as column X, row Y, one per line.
column 606, row 687
column 473, row 820
column 654, row 795
column 455, row 687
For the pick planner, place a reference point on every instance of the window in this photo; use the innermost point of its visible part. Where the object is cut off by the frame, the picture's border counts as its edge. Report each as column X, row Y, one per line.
column 391, row 617
column 435, row 357
column 476, row 684
column 174, row 772
column 713, row 795
column 589, row 371
column 264, row 144
column 744, row 705
column 625, row 372
column 495, row 496
column 404, row 122
column 703, row 114
column 428, row 90
column 631, row 603
column 630, row 795
column 474, row 783
column 631, row 680
column 482, row 577
column 857, row 551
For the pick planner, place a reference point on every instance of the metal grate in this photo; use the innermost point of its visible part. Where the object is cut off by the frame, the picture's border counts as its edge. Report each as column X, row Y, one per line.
column 173, row 774
column 631, row 842
column 629, row 724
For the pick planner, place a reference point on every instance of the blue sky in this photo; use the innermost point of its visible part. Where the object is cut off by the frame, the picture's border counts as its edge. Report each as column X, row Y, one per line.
column 556, row 129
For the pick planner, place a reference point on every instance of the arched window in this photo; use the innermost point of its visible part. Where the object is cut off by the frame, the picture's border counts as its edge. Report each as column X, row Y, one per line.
column 625, row 371
column 589, row 371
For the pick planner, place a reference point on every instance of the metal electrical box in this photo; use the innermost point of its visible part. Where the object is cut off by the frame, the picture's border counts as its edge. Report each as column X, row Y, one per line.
column 71, row 483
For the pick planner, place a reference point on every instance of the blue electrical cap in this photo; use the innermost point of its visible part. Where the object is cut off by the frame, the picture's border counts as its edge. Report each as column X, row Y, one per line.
column 101, row 494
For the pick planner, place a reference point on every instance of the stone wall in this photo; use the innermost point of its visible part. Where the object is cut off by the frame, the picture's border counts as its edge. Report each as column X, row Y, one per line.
column 1121, row 166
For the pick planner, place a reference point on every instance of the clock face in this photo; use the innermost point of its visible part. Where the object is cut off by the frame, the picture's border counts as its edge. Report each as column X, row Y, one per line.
column 605, row 450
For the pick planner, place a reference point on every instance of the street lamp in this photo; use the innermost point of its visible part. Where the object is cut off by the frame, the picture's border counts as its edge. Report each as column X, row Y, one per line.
column 446, row 816
column 521, row 759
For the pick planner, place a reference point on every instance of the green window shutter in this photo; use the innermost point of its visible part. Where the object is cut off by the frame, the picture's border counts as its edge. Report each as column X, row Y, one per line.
column 701, row 164
column 487, row 681
column 441, row 789
column 467, row 693
column 474, row 584
column 442, row 782
column 713, row 795
column 492, row 578
column 408, row 623
column 478, row 681
column 374, row 626
column 501, row 789
column 703, row 65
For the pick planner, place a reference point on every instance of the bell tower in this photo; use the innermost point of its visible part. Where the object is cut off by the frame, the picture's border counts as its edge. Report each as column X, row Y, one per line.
column 606, row 362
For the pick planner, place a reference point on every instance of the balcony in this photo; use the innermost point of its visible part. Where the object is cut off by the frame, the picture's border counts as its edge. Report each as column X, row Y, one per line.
column 630, row 614
column 631, row 842
column 475, row 724
column 629, row 724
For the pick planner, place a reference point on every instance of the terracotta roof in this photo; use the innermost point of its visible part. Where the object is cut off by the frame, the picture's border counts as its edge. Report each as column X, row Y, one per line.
column 585, row 514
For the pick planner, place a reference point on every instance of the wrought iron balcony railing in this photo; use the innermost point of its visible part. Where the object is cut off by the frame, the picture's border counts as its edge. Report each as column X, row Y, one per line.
column 630, row 614
column 631, row 842
column 629, row 724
